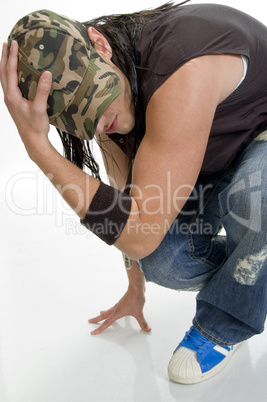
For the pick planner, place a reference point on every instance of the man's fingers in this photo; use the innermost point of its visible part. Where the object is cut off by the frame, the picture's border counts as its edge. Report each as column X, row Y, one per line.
column 145, row 327
column 95, row 320
column 111, row 319
column 3, row 67
column 143, row 323
column 9, row 75
column 9, row 79
column 12, row 70
column 104, row 326
column 102, row 316
column 42, row 93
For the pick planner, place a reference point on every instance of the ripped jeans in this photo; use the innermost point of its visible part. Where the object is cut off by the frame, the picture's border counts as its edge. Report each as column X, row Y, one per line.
column 230, row 272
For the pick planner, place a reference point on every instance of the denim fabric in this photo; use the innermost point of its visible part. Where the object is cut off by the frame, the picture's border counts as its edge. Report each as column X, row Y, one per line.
column 230, row 272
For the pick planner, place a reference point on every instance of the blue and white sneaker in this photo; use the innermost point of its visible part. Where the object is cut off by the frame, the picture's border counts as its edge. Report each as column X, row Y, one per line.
column 197, row 359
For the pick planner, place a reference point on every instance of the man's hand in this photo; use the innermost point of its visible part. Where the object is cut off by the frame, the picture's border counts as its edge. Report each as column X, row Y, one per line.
column 131, row 304
column 30, row 118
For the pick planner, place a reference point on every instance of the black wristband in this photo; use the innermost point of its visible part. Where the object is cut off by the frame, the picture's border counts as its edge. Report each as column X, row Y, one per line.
column 108, row 213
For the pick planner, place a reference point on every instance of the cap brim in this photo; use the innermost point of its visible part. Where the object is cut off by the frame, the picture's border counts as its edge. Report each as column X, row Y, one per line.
column 99, row 88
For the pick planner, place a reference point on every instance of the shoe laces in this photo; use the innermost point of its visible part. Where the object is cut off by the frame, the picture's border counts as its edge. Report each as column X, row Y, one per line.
column 195, row 341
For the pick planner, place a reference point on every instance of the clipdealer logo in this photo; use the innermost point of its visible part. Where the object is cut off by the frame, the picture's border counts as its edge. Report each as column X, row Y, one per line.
column 45, row 200
column 40, row 196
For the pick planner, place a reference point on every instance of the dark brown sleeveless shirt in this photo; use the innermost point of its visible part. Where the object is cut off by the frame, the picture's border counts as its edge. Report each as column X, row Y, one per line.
column 190, row 31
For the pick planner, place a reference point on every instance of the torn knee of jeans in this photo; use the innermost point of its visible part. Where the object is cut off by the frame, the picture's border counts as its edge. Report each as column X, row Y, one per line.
column 247, row 269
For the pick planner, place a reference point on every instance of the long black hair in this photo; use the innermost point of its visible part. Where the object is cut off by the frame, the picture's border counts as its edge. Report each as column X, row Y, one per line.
column 122, row 31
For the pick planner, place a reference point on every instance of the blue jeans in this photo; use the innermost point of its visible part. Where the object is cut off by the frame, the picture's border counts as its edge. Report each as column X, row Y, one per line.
column 230, row 272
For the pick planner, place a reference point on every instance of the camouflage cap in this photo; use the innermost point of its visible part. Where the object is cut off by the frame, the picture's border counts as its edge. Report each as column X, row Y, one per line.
column 84, row 85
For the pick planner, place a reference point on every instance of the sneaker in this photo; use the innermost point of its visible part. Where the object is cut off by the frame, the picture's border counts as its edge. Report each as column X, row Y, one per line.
column 197, row 359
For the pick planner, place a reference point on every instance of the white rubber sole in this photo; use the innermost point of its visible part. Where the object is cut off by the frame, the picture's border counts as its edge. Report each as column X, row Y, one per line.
column 184, row 368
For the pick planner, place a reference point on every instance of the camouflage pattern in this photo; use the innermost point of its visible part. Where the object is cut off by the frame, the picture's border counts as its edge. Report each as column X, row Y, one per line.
column 84, row 85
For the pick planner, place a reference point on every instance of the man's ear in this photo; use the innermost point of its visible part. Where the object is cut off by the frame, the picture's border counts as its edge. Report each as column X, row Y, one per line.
column 100, row 43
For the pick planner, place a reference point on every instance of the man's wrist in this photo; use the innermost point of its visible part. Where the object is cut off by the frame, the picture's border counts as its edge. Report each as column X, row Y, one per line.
column 39, row 150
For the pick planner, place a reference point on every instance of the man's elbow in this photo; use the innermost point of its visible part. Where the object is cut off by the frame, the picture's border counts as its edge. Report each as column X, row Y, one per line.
column 137, row 248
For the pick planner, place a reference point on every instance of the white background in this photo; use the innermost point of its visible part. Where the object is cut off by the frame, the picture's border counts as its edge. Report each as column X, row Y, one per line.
column 54, row 276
